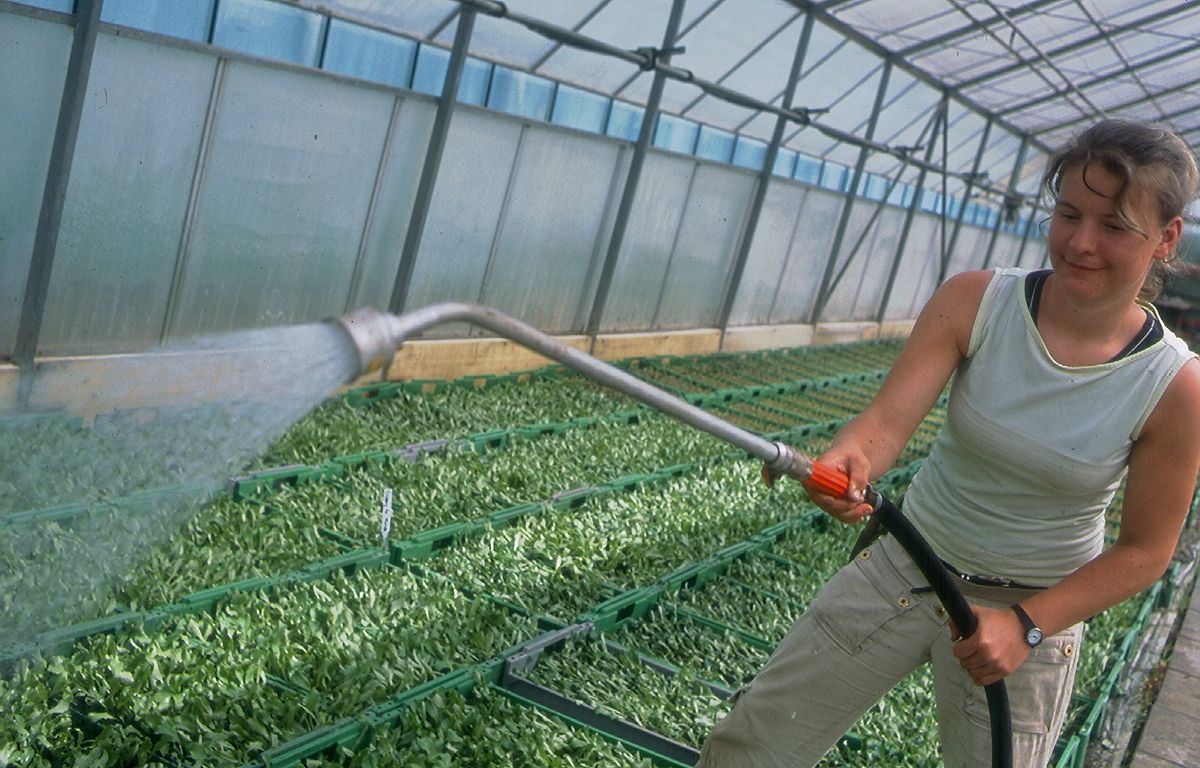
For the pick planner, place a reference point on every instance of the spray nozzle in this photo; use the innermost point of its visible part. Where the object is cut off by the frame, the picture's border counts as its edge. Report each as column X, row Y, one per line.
column 370, row 333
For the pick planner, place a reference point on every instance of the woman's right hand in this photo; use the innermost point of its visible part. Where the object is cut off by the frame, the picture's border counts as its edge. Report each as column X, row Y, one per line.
column 855, row 465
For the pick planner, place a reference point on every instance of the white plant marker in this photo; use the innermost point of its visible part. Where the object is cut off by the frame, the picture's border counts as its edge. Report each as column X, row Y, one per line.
column 385, row 524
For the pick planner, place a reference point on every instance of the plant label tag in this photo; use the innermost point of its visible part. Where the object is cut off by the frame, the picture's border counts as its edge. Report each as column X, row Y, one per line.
column 385, row 524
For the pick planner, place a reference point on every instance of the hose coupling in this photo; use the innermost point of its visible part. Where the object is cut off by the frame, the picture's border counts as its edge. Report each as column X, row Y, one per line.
column 790, row 462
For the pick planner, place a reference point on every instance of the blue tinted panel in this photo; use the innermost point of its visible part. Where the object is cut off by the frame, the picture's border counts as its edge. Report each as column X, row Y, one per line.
column 785, row 163
column 62, row 6
column 166, row 17
column 807, row 169
column 580, row 109
column 473, row 87
column 714, row 144
column 873, row 187
column 750, row 153
column 901, row 195
column 520, row 93
column 269, row 29
column 430, row 75
column 625, row 121
column 834, row 176
column 930, row 201
column 676, row 134
column 369, row 54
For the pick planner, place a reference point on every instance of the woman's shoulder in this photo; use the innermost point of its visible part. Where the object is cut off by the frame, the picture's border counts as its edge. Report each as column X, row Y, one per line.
column 967, row 289
column 977, row 280
column 1177, row 412
column 955, row 305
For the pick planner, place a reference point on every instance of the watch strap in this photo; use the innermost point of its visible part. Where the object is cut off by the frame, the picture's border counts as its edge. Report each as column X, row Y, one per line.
column 1033, row 633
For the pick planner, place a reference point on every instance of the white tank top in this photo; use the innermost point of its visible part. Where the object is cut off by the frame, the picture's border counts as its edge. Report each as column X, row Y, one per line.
column 1032, row 451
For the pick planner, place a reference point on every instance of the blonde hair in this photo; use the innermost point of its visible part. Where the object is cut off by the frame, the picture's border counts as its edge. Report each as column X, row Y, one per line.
column 1142, row 156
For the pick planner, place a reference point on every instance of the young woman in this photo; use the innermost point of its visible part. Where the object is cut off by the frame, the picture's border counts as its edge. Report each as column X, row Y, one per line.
column 1064, row 382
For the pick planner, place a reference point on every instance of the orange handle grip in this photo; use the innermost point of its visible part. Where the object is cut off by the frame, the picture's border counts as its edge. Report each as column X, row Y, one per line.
column 827, row 480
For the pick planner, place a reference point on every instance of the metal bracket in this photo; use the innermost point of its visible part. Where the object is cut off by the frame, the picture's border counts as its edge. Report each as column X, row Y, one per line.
column 524, row 660
column 651, row 55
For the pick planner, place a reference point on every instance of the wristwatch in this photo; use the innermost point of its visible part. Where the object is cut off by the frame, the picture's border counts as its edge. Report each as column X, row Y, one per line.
column 1033, row 633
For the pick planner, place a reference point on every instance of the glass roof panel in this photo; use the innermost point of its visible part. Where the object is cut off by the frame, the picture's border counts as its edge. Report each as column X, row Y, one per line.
column 725, row 46
column 907, row 110
column 998, row 55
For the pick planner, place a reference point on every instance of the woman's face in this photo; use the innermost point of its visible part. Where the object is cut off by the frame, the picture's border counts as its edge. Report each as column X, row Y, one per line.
column 1091, row 249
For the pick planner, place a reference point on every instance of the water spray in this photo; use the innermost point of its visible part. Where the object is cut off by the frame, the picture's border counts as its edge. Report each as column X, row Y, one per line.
column 375, row 336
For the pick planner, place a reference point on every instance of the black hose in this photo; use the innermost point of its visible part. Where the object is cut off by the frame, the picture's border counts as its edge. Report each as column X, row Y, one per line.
column 956, row 605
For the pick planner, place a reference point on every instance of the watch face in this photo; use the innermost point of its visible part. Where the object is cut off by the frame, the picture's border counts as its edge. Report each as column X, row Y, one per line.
column 1033, row 636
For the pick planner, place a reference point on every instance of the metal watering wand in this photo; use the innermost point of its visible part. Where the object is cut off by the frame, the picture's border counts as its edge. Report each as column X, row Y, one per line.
column 375, row 336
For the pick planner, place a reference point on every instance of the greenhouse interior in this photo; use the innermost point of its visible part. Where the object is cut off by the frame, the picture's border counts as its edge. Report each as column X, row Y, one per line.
column 364, row 362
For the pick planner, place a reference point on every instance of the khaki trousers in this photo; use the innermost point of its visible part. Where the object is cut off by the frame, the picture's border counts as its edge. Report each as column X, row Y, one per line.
column 864, row 632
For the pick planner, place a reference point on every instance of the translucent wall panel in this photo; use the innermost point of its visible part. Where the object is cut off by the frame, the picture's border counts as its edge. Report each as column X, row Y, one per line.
column 393, row 208
column 970, row 249
column 33, row 56
column 1007, row 247
column 863, row 271
column 551, row 235
column 466, row 208
column 708, row 238
column 649, row 242
column 773, row 245
column 880, row 254
column 806, row 262
column 284, row 199
column 127, row 198
column 1034, row 255
column 917, row 276
column 167, row 17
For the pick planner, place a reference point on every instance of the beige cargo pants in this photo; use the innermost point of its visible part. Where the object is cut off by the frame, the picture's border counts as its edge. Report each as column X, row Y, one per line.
column 864, row 632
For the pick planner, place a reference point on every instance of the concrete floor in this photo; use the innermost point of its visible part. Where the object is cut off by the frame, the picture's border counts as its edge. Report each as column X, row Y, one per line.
column 1171, row 735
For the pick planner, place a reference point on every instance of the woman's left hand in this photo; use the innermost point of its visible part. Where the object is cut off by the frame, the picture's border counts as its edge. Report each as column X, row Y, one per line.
column 996, row 649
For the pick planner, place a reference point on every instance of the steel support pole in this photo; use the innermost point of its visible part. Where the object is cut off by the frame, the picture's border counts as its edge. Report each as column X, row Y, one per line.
column 913, row 205
column 632, row 179
column 1013, row 178
column 962, row 207
column 764, row 178
column 847, row 207
column 433, row 159
column 54, row 195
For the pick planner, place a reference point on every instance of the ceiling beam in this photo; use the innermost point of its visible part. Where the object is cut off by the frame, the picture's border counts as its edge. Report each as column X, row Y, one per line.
column 847, row 31
column 1128, row 105
column 955, row 35
column 1155, row 61
column 1078, row 44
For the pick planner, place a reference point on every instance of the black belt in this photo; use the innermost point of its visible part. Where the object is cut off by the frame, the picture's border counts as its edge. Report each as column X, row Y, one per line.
column 986, row 581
